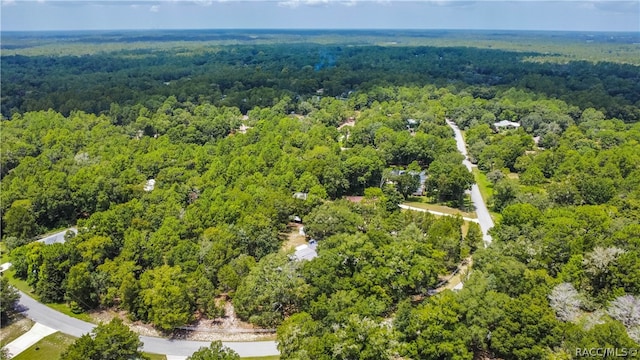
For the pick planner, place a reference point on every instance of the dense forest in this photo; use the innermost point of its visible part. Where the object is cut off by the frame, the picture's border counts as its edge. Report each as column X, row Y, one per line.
column 240, row 140
column 246, row 76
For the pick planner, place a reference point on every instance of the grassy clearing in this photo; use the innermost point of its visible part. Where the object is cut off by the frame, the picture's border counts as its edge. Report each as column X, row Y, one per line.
column 464, row 228
column 156, row 356
column 486, row 188
column 63, row 308
column 292, row 238
column 439, row 208
column 16, row 326
column 18, row 283
column 51, row 347
column 446, row 210
column 460, row 276
column 4, row 253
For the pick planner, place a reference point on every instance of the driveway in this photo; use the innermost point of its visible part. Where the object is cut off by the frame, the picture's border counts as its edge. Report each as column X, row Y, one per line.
column 484, row 218
column 48, row 317
column 57, row 237
column 26, row 340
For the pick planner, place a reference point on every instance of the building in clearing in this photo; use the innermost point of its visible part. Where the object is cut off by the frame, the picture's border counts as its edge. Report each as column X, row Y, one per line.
column 301, row 195
column 150, row 185
column 423, row 178
column 306, row 252
column 412, row 123
column 506, row 124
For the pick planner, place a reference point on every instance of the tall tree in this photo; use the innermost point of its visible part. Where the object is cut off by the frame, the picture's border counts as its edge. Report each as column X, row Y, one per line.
column 9, row 297
column 166, row 300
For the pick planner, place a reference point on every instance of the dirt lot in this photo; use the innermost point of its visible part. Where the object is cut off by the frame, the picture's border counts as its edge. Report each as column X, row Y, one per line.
column 228, row 328
column 16, row 326
column 293, row 238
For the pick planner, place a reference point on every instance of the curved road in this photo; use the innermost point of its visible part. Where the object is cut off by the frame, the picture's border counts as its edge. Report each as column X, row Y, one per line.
column 484, row 218
column 44, row 315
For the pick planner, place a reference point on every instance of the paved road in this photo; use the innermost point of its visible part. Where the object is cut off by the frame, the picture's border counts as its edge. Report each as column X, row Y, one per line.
column 57, row 237
column 407, row 207
column 44, row 315
column 484, row 218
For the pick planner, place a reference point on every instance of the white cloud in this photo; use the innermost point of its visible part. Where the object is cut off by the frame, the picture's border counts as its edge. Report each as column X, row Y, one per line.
column 154, row 8
column 349, row 3
column 621, row 7
column 296, row 3
column 203, row 2
column 8, row 2
column 451, row 2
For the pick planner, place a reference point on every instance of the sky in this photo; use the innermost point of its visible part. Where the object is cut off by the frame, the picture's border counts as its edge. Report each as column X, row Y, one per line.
column 559, row 15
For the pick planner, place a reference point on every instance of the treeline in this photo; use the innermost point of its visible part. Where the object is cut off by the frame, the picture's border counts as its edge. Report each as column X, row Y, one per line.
column 245, row 76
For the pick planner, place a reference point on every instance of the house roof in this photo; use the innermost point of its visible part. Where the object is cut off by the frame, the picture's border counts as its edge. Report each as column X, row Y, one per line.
column 305, row 252
column 300, row 195
column 506, row 123
column 354, row 199
column 150, row 185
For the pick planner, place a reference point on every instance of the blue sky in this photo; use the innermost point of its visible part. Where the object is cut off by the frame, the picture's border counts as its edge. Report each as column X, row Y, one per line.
column 596, row 15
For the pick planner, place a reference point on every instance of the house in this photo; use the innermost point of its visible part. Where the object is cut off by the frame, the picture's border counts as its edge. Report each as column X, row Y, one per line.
column 243, row 129
column 506, row 124
column 150, row 185
column 421, row 188
column 423, row 178
column 301, row 195
column 306, row 252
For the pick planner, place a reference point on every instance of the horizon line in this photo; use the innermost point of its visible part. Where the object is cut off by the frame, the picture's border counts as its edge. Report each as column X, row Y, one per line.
column 320, row 29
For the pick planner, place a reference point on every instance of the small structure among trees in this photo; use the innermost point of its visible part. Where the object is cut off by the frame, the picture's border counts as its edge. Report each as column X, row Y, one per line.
column 505, row 124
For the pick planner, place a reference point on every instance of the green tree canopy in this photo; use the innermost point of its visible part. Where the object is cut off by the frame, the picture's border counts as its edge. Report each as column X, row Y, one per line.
column 110, row 341
column 9, row 297
column 215, row 351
